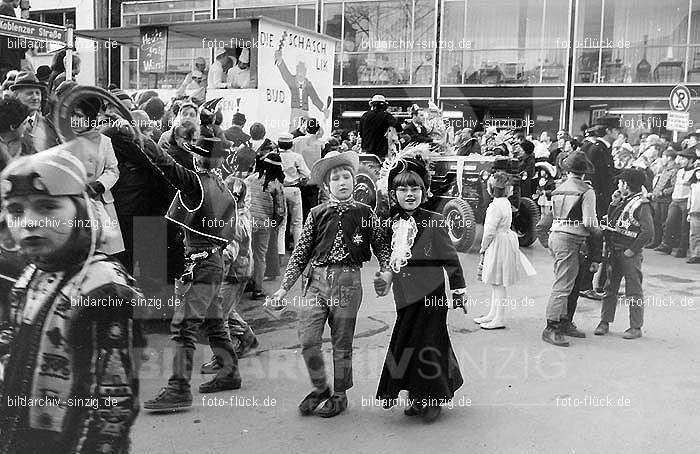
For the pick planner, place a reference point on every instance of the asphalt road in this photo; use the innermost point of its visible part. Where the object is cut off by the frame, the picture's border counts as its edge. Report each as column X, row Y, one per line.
column 521, row 395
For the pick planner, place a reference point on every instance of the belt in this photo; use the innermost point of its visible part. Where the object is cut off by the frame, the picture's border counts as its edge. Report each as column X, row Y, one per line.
column 202, row 255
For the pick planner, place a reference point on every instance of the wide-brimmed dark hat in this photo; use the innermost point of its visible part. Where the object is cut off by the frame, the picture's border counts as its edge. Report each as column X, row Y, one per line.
column 409, row 164
column 577, row 162
column 26, row 79
column 209, row 147
column 689, row 152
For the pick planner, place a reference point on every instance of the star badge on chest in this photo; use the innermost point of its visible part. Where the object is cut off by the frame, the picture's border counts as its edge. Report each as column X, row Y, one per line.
column 357, row 239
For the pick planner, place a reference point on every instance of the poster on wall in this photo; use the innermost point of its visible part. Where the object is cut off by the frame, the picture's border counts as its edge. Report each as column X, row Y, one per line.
column 295, row 76
column 153, row 49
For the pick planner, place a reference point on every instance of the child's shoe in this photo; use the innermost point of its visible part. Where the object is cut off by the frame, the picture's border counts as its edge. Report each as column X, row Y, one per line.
column 312, row 400
column 333, row 406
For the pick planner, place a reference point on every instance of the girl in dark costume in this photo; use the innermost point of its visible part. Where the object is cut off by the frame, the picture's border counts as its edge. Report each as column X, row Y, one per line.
column 420, row 250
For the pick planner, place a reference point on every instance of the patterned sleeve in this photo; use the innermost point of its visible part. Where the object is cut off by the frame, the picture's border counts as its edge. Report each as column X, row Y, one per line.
column 380, row 241
column 112, row 381
column 301, row 254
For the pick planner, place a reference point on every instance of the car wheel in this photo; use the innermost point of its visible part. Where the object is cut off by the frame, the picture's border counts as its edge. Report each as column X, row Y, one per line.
column 461, row 225
column 525, row 221
column 366, row 187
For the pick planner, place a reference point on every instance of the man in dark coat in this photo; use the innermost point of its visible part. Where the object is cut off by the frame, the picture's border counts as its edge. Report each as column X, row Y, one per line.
column 235, row 133
column 527, row 165
column 415, row 131
column 468, row 144
column 373, row 127
column 10, row 55
column 599, row 152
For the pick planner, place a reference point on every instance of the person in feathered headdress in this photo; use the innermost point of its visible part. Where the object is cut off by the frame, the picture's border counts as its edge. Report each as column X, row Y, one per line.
column 420, row 250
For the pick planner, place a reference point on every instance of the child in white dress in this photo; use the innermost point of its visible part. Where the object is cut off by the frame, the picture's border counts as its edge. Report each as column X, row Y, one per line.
column 503, row 263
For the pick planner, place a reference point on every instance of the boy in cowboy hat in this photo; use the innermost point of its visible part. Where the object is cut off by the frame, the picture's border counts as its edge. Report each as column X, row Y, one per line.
column 206, row 210
column 574, row 213
column 335, row 241
column 628, row 228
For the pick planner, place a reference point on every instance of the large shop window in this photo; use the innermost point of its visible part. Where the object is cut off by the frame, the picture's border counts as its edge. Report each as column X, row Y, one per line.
column 484, row 45
column 300, row 14
column 382, row 43
column 633, row 41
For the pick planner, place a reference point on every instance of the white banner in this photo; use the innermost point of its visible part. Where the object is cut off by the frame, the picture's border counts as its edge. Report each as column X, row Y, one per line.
column 295, row 77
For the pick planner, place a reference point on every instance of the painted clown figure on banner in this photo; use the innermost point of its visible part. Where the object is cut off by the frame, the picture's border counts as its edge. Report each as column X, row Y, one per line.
column 303, row 82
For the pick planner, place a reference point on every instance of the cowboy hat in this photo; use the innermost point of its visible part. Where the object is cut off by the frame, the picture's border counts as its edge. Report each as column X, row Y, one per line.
column 577, row 162
column 209, row 147
column 26, row 79
column 332, row 160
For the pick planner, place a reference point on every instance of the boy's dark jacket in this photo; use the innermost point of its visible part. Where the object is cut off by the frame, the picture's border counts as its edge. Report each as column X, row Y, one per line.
column 432, row 252
column 357, row 232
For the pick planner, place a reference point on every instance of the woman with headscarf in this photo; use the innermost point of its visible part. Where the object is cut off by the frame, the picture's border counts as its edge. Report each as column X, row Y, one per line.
column 95, row 151
column 187, row 112
column 70, row 319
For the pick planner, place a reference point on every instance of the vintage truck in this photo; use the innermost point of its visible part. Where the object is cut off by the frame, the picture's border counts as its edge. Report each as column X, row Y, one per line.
column 458, row 186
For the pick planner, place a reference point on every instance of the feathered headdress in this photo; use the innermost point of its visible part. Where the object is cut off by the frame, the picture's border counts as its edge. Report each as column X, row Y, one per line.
column 506, row 138
column 421, row 151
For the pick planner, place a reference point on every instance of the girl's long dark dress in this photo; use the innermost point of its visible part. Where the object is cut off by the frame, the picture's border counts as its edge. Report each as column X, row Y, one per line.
column 420, row 357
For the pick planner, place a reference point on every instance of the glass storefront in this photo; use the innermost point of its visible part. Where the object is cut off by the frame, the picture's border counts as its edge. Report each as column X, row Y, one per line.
column 519, row 42
column 382, row 43
column 637, row 41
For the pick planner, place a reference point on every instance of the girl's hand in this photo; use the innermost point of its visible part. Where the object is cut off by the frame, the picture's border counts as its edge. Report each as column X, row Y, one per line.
column 629, row 253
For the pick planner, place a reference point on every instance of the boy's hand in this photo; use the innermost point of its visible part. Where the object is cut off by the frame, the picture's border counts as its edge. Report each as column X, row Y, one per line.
column 277, row 297
column 382, row 282
column 594, row 267
column 628, row 253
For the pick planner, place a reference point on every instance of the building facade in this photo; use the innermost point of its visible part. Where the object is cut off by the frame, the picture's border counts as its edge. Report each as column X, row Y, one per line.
column 537, row 64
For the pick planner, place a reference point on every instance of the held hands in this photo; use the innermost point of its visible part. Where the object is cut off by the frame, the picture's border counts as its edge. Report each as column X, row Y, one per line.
column 95, row 189
column 382, row 282
column 629, row 253
column 594, row 267
column 276, row 297
column 458, row 301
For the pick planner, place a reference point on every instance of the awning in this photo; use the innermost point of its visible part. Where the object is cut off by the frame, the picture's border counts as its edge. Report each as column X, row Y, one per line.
column 182, row 35
column 217, row 33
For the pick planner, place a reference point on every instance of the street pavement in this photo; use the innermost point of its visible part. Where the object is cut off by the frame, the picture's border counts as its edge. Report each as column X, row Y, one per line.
column 521, row 395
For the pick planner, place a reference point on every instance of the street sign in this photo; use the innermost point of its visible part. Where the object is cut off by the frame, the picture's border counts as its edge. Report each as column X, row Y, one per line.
column 677, row 121
column 31, row 30
column 679, row 100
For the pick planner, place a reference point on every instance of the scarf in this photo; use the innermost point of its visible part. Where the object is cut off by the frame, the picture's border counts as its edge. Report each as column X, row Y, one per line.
column 404, row 231
column 342, row 205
